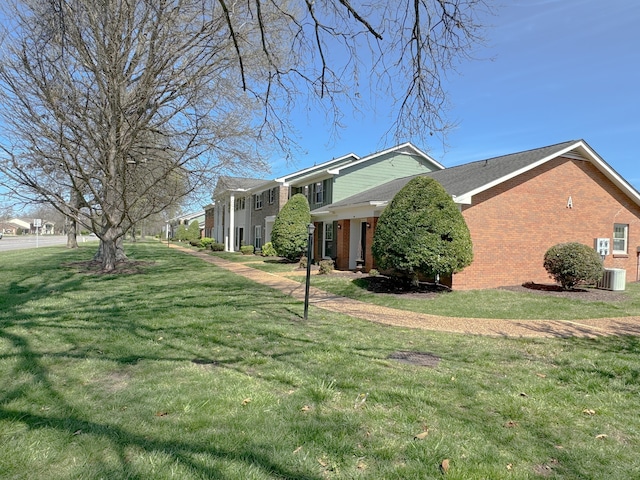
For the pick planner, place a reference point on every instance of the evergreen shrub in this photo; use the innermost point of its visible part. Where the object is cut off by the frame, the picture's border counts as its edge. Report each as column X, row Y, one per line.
column 289, row 234
column 422, row 232
column 572, row 264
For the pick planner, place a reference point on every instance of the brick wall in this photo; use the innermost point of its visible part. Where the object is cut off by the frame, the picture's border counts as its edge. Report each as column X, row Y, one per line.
column 208, row 222
column 513, row 224
column 368, row 254
column 342, row 244
column 268, row 209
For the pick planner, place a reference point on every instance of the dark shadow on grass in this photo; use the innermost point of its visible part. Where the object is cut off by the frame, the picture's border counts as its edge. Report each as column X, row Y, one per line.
column 91, row 330
column 181, row 452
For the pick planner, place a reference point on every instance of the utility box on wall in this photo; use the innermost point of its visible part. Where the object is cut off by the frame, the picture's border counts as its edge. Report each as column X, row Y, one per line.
column 602, row 246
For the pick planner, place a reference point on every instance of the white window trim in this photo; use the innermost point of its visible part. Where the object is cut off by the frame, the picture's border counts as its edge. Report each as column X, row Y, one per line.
column 325, row 240
column 318, row 191
column 625, row 239
column 258, row 203
column 257, row 236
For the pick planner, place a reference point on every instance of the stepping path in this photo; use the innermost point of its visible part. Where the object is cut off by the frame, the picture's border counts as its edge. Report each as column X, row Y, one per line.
column 588, row 328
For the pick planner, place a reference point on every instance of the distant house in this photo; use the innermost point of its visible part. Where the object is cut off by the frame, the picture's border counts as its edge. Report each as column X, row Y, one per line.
column 244, row 209
column 516, row 207
column 15, row 226
column 186, row 220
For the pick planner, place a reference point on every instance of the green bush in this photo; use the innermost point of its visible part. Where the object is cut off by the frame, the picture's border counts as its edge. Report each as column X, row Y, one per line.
column 193, row 231
column 289, row 234
column 196, row 243
column 326, row 266
column 373, row 272
column 268, row 250
column 303, row 262
column 181, row 234
column 217, row 247
column 422, row 232
column 247, row 249
column 572, row 264
column 206, row 242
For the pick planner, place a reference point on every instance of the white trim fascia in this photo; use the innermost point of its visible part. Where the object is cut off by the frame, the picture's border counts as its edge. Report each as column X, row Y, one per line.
column 314, row 177
column 322, row 166
column 363, row 211
column 336, row 171
column 594, row 158
column 369, row 206
column 611, row 174
column 268, row 185
column 466, row 197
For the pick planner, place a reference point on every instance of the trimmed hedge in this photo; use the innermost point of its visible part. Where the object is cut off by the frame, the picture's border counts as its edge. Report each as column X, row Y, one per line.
column 422, row 232
column 289, row 234
column 572, row 264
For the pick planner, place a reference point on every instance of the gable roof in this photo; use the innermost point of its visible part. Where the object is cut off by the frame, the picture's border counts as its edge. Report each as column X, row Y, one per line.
column 237, row 184
column 343, row 160
column 464, row 181
column 406, row 148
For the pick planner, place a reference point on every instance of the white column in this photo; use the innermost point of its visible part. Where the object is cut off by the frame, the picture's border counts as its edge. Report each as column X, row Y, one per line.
column 232, row 224
column 217, row 221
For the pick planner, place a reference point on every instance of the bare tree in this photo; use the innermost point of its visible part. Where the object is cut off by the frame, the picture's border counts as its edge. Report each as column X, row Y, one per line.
column 119, row 108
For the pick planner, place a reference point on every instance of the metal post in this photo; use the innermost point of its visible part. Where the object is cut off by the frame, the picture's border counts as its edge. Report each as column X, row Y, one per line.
column 310, row 228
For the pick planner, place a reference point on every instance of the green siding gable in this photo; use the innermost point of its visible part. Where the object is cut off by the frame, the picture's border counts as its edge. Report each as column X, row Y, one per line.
column 358, row 178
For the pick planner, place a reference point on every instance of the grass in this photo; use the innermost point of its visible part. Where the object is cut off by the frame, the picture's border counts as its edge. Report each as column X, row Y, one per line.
column 493, row 303
column 187, row 371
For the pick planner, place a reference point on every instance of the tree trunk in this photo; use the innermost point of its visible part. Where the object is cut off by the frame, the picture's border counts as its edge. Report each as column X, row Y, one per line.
column 111, row 250
column 72, row 230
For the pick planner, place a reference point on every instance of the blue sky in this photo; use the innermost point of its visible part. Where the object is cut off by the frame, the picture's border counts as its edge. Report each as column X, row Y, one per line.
column 551, row 71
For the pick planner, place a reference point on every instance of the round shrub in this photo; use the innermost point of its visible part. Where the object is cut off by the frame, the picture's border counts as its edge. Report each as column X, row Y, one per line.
column 422, row 232
column 217, row 247
column 267, row 250
column 289, row 234
column 573, row 263
column 326, row 267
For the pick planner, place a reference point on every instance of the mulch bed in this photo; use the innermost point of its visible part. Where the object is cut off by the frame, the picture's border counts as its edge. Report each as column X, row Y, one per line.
column 586, row 294
column 130, row 267
column 385, row 285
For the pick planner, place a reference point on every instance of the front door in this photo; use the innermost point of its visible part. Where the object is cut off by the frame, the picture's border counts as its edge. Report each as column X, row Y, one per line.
column 362, row 248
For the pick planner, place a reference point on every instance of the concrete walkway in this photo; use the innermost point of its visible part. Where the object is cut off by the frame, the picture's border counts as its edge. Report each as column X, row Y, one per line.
column 401, row 318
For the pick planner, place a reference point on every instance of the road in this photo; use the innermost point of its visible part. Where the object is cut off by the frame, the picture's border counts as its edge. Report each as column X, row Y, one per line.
column 22, row 242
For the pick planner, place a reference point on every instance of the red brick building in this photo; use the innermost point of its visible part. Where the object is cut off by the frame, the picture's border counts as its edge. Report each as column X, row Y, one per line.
column 516, row 207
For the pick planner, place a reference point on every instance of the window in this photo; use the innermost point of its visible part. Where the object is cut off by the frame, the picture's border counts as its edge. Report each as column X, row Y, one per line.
column 257, row 238
column 328, row 240
column 239, row 203
column 319, row 192
column 272, row 196
column 258, row 204
column 620, row 237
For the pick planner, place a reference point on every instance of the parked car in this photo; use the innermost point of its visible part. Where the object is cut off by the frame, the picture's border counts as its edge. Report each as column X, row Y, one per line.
column 0, row 235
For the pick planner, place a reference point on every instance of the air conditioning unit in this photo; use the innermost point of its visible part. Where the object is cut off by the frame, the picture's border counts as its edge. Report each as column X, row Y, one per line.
column 613, row 279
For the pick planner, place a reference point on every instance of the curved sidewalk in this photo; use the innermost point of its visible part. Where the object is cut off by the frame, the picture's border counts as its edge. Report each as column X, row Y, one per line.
column 401, row 318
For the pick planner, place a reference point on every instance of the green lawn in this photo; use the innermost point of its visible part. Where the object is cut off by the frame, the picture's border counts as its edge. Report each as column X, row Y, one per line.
column 187, row 371
column 494, row 303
